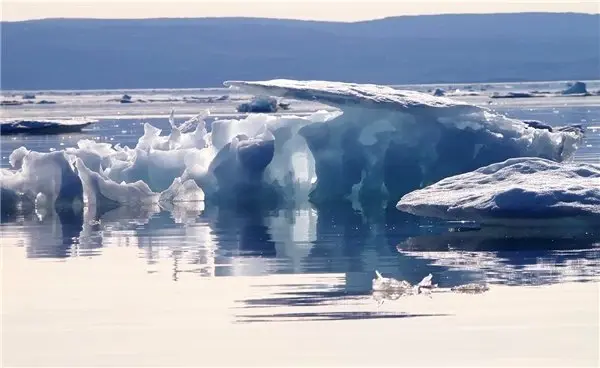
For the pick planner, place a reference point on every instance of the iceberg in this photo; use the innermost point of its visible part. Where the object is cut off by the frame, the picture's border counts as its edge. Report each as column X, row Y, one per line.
column 187, row 165
column 43, row 126
column 512, row 191
column 389, row 142
column 576, row 89
column 383, row 144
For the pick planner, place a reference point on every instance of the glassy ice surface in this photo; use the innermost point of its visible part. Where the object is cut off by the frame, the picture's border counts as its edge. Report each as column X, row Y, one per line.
column 219, row 241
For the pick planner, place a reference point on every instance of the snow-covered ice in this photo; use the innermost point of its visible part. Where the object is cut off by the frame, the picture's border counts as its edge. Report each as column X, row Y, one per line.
column 519, row 188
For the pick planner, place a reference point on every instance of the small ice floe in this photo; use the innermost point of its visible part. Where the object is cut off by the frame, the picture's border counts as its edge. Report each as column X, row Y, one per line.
column 125, row 99
column 516, row 192
column 512, row 95
column 439, row 92
column 470, row 288
column 54, row 126
column 284, row 105
column 576, row 89
column 259, row 104
column 11, row 103
column 392, row 289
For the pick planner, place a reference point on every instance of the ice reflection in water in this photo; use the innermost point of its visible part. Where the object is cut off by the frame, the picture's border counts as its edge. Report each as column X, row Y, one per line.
column 233, row 242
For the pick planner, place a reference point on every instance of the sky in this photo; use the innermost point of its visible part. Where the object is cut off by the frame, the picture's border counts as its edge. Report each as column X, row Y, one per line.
column 335, row 10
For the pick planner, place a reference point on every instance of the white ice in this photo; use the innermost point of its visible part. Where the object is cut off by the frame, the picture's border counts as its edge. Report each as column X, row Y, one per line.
column 383, row 144
column 41, row 177
column 389, row 142
column 103, row 192
column 520, row 188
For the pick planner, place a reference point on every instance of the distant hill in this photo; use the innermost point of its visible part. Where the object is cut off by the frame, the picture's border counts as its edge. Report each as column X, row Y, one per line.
column 180, row 53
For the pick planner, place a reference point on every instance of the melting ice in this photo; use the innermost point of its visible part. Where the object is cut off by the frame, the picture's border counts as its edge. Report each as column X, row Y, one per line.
column 383, row 144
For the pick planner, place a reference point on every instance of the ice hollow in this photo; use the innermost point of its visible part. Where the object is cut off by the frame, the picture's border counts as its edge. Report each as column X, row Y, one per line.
column 389, row 142
column 516, row 189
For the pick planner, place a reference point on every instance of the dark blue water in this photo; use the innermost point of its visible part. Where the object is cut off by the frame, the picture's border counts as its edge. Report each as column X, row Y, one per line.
column 216, row 241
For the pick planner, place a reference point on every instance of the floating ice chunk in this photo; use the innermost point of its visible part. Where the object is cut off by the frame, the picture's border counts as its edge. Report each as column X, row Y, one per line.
column 389, row 142
column 43, row 126
column 182, row 191
column 520, row 188
column 385, row 288
column 156, row 168
column 513, row 95
column 471, row 288
column 260, row 104
column 50, row 174
column 439, row 92
column 381, row 283
column 538, row 125
column 577, row 88
column 105, row 193
column 385, row 144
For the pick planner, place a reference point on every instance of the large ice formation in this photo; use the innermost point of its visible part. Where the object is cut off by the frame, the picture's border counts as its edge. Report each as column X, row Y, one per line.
column 389, row 142
column 519, row 188
column 383, row 144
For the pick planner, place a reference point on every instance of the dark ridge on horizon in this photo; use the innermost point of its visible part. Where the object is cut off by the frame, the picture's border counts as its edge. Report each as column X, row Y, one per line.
column 273, row 19
column 78, row 53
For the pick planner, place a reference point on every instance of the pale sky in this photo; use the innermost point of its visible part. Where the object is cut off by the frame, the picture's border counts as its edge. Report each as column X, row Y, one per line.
column 339, row 10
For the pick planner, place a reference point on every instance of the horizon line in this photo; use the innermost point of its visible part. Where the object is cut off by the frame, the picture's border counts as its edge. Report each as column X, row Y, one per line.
column 276, row 18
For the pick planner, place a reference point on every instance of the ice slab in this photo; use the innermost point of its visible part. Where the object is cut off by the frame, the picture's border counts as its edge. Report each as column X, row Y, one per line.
column 519, row 188
column 384, row 144
column 43, row 126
